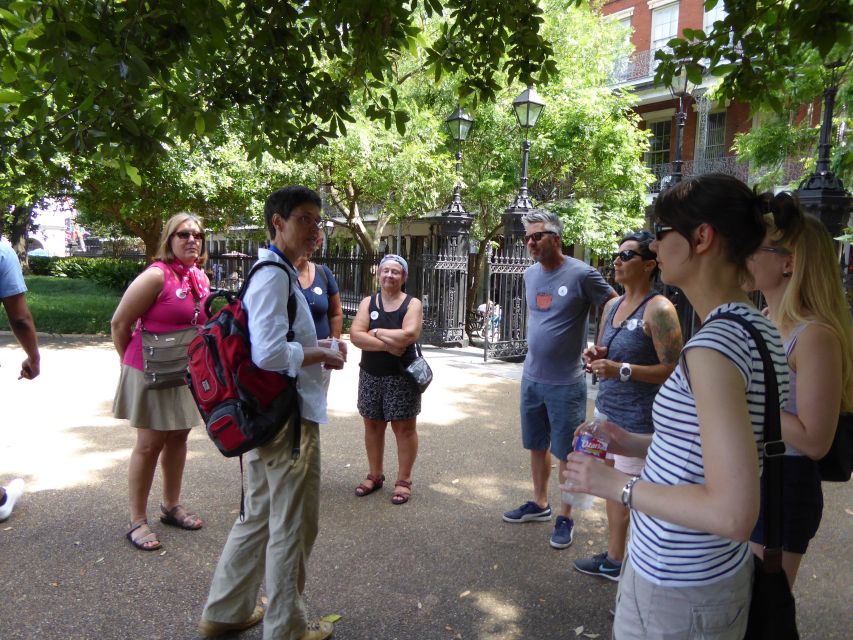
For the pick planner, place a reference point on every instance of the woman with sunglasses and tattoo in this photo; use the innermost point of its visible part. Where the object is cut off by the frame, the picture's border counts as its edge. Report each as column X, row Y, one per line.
column 167, row 296
column 688, row 570
column 796, row 268
column 639, row 341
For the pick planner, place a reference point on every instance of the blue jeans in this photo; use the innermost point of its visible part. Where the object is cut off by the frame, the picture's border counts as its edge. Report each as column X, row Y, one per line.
column 550, row 413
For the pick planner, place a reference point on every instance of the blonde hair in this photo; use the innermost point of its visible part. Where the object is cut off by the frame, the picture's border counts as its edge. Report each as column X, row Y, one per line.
column 815, row 293
column 164, row 247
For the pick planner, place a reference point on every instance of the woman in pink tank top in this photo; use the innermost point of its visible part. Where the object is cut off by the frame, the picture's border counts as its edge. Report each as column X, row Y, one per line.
column 167, row 296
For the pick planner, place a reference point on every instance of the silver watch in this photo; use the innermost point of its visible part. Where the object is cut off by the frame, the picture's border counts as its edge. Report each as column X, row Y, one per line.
column 625, row 372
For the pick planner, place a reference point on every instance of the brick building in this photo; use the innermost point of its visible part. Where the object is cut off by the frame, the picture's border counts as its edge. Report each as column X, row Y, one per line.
column 711, row 125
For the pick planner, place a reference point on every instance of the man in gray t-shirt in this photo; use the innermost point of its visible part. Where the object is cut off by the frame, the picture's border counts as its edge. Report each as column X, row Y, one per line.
column 559, row 291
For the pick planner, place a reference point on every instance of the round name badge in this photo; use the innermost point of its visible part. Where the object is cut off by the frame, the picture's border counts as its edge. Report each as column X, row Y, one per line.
column 374, row 315
column 181, row 293
column 317, row 291
column 562, row 291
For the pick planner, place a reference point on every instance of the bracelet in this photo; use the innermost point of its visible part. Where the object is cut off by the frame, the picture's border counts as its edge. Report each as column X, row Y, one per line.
column 627, row 492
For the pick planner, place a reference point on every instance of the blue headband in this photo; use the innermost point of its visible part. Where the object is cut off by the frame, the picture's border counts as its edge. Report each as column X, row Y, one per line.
column 395, row 258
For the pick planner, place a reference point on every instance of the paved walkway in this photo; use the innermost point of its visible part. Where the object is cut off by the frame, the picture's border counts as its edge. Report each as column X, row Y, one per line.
column 442, row 567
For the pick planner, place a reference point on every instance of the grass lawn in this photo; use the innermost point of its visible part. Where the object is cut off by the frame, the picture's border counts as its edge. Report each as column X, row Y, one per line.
column 63, row 305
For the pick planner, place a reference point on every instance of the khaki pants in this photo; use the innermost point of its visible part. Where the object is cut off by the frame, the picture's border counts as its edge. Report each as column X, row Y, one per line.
column 717, row 611
column 274, row 541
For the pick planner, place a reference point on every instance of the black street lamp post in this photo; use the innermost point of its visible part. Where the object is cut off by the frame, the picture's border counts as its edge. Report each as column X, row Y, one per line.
column 822, row 194
column 459, row 123
column 680, row 86
column 528, row 107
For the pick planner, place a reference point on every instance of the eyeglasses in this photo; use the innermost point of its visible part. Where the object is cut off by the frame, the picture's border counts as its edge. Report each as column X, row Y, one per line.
column 661, row 230
column 630, row 254
column 538, row 235
column 185, row 235
column 310, row 221
column 779, row 251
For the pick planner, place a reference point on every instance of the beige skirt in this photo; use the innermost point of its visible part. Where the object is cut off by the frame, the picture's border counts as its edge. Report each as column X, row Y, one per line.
column 159, row 409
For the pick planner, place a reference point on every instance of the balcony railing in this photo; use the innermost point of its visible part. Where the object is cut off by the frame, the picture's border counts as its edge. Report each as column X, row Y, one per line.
column 638, row 65
column 727, row 164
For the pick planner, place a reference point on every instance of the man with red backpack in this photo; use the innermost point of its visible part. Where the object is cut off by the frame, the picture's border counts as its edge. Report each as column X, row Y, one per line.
column 282, row 497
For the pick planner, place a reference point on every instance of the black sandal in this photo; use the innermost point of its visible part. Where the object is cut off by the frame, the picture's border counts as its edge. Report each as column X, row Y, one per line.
column 140, row 541
column 173, row 518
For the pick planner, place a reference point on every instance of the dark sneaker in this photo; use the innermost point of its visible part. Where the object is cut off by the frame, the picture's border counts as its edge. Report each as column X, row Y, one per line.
column 599, row 565
column 563, row 534
column 528, row 512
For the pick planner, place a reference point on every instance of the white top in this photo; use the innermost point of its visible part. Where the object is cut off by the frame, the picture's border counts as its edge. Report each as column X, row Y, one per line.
column 673, row 555
column 265, row 302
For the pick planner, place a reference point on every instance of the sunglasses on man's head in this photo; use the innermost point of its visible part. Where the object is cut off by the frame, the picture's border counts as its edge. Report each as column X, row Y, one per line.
column 185, row 235
column 538, row 235
column 629, row 254
column 661, row 230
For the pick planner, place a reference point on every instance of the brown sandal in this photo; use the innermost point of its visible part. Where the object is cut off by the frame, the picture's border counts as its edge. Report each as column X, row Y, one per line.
column 141, row 541
column 400, row 497
column 177, row 516
column 363, row 490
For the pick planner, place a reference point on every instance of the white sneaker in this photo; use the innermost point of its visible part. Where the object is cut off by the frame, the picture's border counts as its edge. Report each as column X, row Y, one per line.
column 13, row 493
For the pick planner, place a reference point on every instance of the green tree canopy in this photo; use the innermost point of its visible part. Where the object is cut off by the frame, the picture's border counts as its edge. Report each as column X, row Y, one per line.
column 127, row 81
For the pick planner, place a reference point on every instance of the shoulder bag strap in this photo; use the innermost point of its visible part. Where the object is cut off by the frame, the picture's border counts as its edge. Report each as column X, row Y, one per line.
column 774, row 450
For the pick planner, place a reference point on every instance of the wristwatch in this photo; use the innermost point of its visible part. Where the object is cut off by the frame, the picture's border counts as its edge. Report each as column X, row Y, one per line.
column 625, row 372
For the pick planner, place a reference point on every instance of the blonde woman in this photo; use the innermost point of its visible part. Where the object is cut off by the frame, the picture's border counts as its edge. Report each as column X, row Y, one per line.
column 162, row 298
column 798, row 274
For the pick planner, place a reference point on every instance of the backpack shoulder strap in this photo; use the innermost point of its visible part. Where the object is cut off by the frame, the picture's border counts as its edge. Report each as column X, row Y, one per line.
column 320, row 270
column 291, row 299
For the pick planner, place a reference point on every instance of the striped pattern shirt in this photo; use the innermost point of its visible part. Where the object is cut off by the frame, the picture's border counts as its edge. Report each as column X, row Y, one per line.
column 673, row 555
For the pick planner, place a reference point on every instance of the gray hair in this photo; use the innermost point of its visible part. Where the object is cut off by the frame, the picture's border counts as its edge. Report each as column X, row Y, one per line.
column 551, row 221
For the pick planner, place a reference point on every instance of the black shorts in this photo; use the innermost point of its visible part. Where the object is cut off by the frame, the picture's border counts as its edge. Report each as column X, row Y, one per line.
column 802, row 504
column 387, row 398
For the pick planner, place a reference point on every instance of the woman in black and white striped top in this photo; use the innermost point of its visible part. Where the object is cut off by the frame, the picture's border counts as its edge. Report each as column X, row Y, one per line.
column 689, row 568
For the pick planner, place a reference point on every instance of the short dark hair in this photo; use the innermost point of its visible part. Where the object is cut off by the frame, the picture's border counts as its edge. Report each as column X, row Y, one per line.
column 734, row 211
column 283, row 201
column 644, row 238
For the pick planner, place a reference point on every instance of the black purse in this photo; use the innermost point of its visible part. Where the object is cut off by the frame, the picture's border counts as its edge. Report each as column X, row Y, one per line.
column 837, row 464
column 418, row 372
column 772, row 611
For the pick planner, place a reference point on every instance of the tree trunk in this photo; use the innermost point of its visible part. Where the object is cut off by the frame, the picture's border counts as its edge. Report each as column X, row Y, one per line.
column 18, row 223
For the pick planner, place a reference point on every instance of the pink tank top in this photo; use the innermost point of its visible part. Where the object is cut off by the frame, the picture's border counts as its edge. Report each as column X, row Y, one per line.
column 168, row 313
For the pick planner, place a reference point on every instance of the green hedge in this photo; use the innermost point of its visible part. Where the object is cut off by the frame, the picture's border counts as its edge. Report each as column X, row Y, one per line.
column 110, row 272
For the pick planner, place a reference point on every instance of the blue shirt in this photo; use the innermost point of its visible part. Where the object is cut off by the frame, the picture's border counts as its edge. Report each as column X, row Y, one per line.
column 11, row 278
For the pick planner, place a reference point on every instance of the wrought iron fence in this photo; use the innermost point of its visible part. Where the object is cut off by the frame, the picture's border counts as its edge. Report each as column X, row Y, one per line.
column 507, row 339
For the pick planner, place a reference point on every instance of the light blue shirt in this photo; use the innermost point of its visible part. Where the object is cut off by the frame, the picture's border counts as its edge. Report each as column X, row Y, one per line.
column 265, row 302
column 11, row 278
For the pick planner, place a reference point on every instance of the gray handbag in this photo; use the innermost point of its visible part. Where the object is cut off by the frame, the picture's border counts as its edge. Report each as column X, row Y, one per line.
column 418, row 372
column 164, row 355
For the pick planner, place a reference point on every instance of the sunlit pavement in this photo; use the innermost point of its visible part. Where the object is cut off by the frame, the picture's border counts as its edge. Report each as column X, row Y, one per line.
column 442, row 566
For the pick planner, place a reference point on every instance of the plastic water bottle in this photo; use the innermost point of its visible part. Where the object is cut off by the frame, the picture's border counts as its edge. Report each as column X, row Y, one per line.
column 591, row 441
column 333, row 345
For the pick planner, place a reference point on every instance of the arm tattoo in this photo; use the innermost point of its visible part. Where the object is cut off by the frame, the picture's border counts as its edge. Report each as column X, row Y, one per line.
column 666, row 334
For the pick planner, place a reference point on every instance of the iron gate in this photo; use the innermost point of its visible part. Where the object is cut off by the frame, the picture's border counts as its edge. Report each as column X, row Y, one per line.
column 443, row 286
column 507, row 337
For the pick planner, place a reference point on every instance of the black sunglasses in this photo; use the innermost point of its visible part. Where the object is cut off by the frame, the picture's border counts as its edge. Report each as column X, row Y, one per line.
column 630, row 254
column 538, row 235
column 185, row 235
column 661, row 230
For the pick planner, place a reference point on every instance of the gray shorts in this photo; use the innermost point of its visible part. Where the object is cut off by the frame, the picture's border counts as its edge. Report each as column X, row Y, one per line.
column 717, row 611
column 387, row 398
